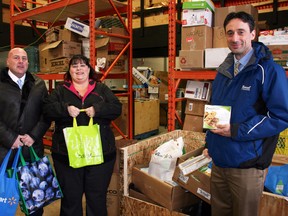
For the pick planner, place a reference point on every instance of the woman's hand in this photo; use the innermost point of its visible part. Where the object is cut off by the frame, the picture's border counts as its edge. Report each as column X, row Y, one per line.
column 73, row 111
column 90, row 111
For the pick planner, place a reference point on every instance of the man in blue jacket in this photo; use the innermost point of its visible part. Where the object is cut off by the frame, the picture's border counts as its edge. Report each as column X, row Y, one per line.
column 258, row 96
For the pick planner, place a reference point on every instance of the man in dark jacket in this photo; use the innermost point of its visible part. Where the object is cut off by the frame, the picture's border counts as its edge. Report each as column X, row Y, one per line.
column 21, row 119
column 256, row 90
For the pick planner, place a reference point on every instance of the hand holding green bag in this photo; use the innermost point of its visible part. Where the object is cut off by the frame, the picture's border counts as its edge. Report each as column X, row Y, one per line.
column 83, row 144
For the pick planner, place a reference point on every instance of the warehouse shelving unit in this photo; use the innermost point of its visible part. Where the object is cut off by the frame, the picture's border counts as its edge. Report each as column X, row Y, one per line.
column 174, row 75
column 56, row 12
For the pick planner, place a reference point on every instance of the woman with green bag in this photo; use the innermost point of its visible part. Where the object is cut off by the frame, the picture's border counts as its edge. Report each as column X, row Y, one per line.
column 78, row 99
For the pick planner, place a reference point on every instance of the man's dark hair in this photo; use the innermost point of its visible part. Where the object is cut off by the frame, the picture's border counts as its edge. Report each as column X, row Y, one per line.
column 245, row 17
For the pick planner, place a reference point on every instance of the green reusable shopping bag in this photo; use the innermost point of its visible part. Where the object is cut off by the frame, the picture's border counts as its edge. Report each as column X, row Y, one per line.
column 83, row 144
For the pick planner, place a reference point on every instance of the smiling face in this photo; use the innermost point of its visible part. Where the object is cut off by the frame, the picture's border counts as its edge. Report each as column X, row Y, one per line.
column 17, row 61
column 79, row 72
column 239, row 38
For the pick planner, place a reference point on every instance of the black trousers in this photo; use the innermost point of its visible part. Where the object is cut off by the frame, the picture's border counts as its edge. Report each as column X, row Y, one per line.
column 91, row 181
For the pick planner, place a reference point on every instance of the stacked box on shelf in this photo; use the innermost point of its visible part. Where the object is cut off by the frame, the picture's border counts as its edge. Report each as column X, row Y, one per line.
column 197, row 18
column 197, row 94
column 107, row 49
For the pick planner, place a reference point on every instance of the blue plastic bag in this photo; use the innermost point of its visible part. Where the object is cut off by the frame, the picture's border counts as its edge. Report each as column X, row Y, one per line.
column 9, row 191
column 277, row 180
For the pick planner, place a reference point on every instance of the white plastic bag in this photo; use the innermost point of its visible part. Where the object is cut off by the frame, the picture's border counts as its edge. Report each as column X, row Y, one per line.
column 163, row 160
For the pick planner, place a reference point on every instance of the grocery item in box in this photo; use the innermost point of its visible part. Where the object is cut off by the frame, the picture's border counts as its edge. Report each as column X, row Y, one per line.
column 214, row 114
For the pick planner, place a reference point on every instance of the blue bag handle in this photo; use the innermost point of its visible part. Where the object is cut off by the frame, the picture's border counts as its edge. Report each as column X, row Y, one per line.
column 6, row 159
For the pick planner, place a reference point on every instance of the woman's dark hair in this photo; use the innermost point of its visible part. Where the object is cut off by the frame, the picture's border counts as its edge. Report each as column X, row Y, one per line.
column 81, row 59
column 245, row 17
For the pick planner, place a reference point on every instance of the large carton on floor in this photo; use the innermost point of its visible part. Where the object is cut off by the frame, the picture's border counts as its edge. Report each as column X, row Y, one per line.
column 172, row 197
column 140, row 154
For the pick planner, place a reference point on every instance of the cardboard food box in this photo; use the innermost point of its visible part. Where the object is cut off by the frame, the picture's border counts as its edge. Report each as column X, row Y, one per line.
column 219, row 37
column 191, row 59
column 193, row 123
column 61, row 49
column 215, row 56
column 197, row 182
column 214, row 115
column 197, row 17
column 222, row 12
column 198, row 90
column 195, row 107
column 196, row 38
column 77, row 27
column 59, row 65
column 172, row 197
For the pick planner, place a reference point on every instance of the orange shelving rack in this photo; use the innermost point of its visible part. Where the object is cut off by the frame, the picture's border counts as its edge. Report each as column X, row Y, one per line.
column 56, row 12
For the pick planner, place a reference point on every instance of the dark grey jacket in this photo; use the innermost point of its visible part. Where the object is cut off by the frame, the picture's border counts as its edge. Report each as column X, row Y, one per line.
column 21, row 113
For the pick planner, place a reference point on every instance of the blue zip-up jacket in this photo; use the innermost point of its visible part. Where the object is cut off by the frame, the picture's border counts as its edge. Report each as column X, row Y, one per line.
column 258, row 97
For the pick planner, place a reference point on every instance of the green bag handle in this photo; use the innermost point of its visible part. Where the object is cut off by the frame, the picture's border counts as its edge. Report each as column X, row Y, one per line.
column 34, row 157
column 75, row 121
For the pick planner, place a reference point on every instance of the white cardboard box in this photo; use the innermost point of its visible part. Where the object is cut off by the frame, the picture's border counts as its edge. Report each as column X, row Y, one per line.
column 215, row 56
column 196, row 17
column 198, row 90
column 77, row 27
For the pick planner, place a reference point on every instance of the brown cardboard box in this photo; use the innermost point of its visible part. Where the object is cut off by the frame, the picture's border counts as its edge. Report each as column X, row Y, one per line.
column 60, row 49
column 196, row 38
column 146, row 117
column 59, row 65
column 222, row 12
column 67, row 35
column 197, row 182
column 189, row 59
column 219, row 38
column 195, row 107
column 171, row 197
column 163, row 87
column 193, row 123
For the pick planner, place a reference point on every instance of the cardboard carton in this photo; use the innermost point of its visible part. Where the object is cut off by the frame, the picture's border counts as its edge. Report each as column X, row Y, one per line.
column 198, row 90
column 197, row 182
column 193, row 123
column 77, row 27
column 169, row 196
column 195, row 107
column 196, row 38
column 191, row 59
column 219, row 37
column 215, row 56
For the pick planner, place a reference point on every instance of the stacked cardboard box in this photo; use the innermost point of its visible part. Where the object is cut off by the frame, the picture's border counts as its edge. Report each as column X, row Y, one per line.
column 198, row 95
column 107, row 49
column 196, row 34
